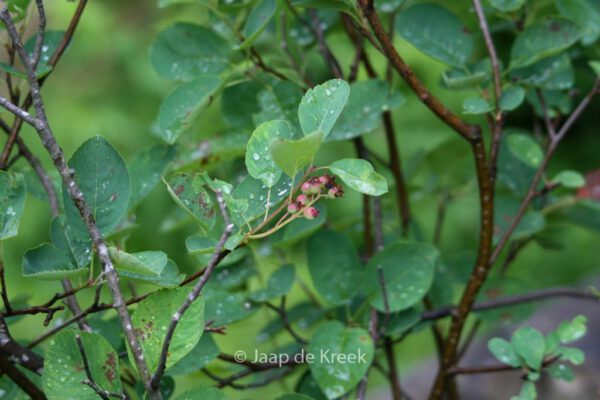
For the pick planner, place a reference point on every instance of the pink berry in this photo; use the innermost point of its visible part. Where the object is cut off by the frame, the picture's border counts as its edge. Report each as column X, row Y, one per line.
column 311, row 213
column 335, row 191
column 302, row 199
column 293, row 208
column 316, row 187
column 306, row 187
column 324, row 180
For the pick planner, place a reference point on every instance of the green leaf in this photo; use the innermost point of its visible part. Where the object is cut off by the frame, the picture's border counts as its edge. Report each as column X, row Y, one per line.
column 436, row 32
column 280, row 282
column 569, row 179
column 359, row 175
column 525, row 148
column 476, row 105
column 367, row 101
column 12, row 203
column 573, row 355
column 561, row 371
column 293, row 155
column 76, row 244
column 570, row 331
column 203, row 353
column 52, row 39
column 257, row 21
column 585, row 15
column 527, row 392
column 146, row 169
column 532, row 222
column 64, row 371
column 552, row 73
column 408, row 269
column 279, row 101
column 225, row 308
column 204, row 393
column 529, row 344
column 49, row 263
column 168, row 278
column 322, row 105
column 197, row 244
column 144, row 263
column 511, row 98
column 180, row 108
column 259, row 197
column 192, row 198
column 507, row 5
column 503, row 351
column 239, row 103
column 558, row 103
column 334, row 266
column 543, row 39
column 151, row 326
column 259, row 163
column 329, row 345
column 102, row 176
column 18, row 9
column 457, row 78
column 211, row 152
column 400, row 322
column 186, row 51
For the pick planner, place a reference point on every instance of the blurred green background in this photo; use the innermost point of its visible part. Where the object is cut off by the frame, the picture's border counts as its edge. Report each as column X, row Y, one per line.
column 105, row 85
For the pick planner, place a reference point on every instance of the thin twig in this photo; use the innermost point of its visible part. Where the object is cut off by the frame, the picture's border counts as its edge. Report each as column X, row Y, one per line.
column 176, row 317
column 48, row 139
column 555, row 139
column 104, row 394
column 496, row 368
column 514, row 300
column 3, row 290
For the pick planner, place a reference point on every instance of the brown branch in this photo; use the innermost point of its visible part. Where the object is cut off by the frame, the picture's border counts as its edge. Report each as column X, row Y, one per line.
column 325, row 50
column 230, row 381
column 176, row 317
column 392, row 369
column 396, row 168
column 21, row 379
column 513, row 300
column 286, row 49
column 285, row 320
column 496, row 368
column 3, row 290
column 467, row 131
column 49, row 311
column 15, row 353
column 255, row 366
column 486, row 193
column 395, row 164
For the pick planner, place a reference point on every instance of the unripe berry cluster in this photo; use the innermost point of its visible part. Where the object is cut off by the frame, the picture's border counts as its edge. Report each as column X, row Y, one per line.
column 324, row 185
